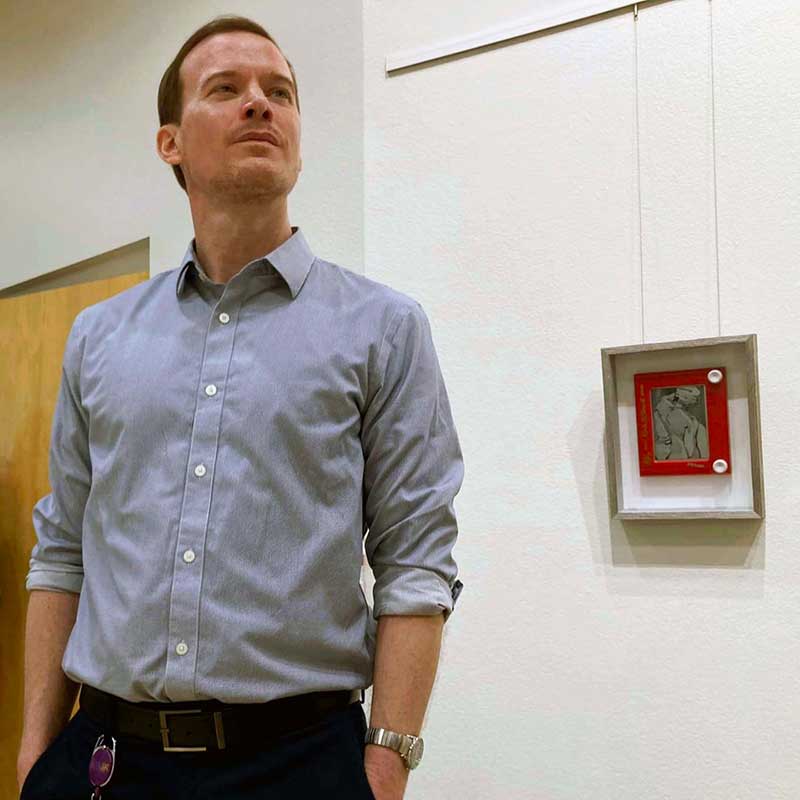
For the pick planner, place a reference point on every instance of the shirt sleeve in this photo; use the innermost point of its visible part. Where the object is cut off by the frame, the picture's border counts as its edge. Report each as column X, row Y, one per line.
column 413, row 469
column 56, row 561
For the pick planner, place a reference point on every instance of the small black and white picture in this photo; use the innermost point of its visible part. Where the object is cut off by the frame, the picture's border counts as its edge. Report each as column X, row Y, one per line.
column 680, row 422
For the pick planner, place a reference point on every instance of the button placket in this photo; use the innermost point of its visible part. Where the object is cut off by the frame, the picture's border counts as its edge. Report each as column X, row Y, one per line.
column 193, row 527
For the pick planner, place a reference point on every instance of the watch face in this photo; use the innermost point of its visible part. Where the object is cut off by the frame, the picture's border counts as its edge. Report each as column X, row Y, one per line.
column 415, row 755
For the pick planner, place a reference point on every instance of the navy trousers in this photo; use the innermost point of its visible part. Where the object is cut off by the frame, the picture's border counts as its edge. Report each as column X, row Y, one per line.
column 323, row 760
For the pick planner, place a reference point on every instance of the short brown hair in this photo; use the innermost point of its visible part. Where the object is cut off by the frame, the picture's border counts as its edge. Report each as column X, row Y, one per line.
column 170, row 90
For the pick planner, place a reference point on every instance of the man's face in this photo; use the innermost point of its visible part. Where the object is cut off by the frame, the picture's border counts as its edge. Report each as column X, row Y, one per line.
column 219, row 109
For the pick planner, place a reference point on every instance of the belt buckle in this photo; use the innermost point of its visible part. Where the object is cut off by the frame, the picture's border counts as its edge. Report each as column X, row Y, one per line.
column 167, row 748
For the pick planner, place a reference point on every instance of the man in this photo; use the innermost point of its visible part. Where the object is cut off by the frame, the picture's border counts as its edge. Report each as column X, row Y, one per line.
column 225, row 435
column 679, row 434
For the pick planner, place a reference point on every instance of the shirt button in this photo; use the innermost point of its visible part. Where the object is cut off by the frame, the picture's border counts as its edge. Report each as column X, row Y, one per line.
column 211, row 390
column 188, row 556
column 224, row 318
column 182, row 649
column 199, row 470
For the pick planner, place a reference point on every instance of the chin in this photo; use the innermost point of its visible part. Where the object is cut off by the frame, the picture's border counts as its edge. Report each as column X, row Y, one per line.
column 250, row 183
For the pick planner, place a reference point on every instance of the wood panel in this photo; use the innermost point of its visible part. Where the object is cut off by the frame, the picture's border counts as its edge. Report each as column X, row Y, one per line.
column 34, row 329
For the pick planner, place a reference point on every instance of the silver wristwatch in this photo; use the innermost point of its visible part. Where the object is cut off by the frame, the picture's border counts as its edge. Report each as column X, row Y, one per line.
column 410, row 747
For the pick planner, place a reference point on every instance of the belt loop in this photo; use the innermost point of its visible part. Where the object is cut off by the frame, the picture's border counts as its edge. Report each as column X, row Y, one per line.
column 219, row 730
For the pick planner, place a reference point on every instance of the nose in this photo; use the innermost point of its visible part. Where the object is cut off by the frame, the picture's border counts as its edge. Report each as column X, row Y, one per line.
column 257, row 105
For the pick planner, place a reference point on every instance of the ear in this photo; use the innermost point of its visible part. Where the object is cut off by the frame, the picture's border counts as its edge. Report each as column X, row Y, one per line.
column 168, row 144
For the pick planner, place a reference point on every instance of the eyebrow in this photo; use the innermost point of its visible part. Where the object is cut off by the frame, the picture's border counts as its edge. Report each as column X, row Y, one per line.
column 232, row 73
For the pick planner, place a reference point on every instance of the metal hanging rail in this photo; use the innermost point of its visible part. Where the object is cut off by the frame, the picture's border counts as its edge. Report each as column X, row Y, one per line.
column 398, row 61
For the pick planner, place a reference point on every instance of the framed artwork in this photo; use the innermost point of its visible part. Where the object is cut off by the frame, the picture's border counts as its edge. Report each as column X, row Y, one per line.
column 682, row 422
column 683, row 429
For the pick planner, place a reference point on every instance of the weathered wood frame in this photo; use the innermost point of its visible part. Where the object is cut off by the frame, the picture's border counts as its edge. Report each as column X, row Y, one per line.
column 612, row 437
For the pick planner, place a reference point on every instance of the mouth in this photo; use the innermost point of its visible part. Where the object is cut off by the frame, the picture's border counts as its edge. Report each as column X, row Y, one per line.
column 261, row 139
column 256, row 141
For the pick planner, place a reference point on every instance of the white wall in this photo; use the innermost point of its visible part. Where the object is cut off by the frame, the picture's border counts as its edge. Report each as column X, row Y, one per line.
column 586, row 659
column 79, row 171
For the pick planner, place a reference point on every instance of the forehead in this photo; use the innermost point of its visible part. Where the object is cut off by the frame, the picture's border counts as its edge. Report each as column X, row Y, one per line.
column 231, row 50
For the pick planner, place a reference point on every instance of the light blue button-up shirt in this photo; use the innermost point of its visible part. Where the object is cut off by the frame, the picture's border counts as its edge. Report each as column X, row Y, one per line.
column 218, row 453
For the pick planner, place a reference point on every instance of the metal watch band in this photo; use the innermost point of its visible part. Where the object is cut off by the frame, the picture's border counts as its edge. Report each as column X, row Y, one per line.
column 408, row 746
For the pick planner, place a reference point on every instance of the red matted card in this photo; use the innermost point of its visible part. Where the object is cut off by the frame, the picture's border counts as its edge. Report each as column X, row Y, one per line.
column 682, row 422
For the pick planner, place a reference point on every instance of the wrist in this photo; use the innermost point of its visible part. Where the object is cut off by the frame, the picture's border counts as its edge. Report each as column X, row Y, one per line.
column 37, row 739
column 384, row 759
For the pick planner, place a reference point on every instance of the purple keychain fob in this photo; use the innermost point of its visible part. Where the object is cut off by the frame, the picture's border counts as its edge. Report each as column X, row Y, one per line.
column 101, row 765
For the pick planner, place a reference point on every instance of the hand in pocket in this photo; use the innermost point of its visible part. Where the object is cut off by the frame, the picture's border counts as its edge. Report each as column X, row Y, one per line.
column 27, row 759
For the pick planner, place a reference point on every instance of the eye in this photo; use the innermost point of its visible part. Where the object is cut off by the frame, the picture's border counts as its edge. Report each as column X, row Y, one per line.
column 286, row 93
column 225, row 86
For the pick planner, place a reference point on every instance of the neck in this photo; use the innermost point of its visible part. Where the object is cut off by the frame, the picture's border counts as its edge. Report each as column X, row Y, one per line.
column 230, row 236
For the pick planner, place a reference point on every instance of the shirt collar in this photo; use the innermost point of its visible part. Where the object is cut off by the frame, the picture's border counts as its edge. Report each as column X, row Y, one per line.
column 292, row 260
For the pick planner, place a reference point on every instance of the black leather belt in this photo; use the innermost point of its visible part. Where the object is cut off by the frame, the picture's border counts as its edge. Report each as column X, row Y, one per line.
column 196, row 726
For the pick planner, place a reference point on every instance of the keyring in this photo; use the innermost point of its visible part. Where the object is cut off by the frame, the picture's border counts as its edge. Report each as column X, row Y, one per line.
column 101, row 765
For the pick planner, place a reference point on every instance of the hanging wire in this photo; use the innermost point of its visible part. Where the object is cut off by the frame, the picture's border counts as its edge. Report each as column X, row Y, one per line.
column 638, row 161
column 714, row 160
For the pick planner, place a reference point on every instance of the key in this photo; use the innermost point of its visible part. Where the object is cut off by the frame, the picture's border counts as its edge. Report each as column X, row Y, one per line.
column 101, row 765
